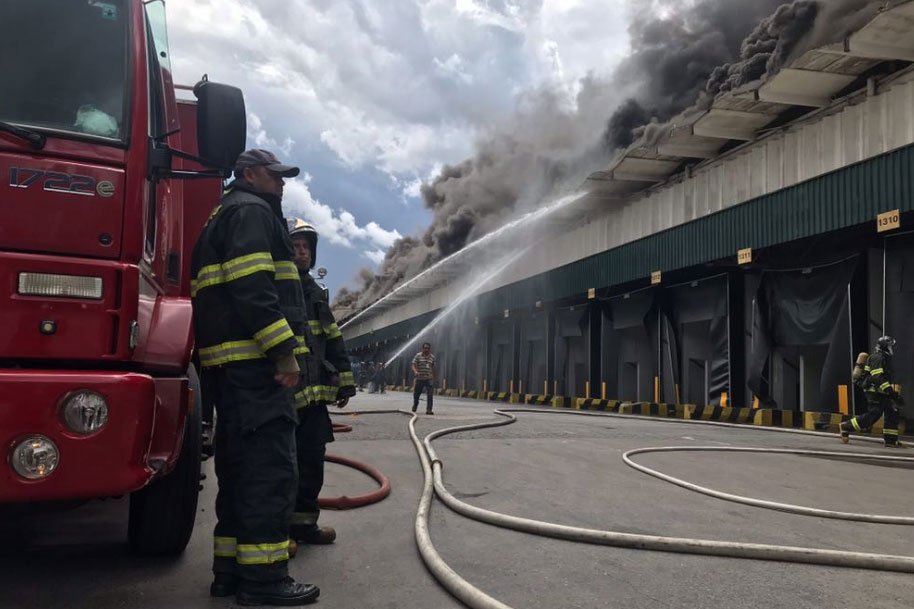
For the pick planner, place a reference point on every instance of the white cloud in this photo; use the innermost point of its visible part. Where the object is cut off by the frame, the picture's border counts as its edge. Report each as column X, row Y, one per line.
column 399, row 86
column 412, row 188
column 338, row 227
column 509, row 17
column 455, row 67
column 376, row 256
column 258, row 135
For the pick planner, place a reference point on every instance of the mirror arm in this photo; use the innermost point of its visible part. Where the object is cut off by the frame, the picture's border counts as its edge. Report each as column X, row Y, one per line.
column 160, row 158
column 189, row 157
column 196, row 175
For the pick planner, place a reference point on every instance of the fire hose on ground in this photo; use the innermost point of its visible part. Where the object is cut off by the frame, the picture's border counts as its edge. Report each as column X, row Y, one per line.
column 347, row 503
column 344, row 502
column 432, row 467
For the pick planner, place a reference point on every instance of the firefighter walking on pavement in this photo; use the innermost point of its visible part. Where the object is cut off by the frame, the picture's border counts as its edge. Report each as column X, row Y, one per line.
column 251, row 333
column 334, row 384
column 881, row 396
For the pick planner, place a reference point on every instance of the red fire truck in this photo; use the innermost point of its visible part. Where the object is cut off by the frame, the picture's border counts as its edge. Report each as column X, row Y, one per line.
column 101, row 203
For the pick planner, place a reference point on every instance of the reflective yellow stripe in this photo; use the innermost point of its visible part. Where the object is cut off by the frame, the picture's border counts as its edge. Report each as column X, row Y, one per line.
column 867, row 368
column 855, row 424
column 273, row 334
column 347, row 378
column 206, row 276
column 315, row 393
column 889, row 432
column 885, row 386
column 230, row 270
column 332, row 331
column 233, row 351
column 262, row 553
column 302, row 348
column 224, row 547
column 316, row 328
column 877, row 371
column 303, row 398
column 286, row 270
column 240, row 266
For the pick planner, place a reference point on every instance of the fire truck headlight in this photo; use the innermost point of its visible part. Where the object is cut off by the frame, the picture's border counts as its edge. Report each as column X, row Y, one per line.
column 34, row 457
column 67, row 286
column 84, row 412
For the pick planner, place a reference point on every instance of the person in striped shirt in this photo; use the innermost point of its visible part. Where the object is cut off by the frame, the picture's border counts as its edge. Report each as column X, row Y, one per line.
column 424, row 376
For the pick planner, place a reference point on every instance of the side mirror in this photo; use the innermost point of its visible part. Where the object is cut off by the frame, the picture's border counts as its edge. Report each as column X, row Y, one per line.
column 322, row 272
column 221, row 123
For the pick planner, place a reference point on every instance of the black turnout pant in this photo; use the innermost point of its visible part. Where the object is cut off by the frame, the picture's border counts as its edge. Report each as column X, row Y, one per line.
column 310, row 482
column 257, row 474
column 878, row 406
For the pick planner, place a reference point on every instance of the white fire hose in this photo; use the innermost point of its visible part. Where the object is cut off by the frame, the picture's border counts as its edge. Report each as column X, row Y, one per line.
column 472, row 596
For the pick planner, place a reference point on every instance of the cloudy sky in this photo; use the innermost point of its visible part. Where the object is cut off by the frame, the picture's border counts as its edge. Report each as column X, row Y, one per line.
column 371, row 98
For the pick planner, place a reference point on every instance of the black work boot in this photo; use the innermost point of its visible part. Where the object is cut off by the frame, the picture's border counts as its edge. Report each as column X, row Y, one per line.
column 313, row 534
column 224, row 584
column 845, row 435
column 285, row 592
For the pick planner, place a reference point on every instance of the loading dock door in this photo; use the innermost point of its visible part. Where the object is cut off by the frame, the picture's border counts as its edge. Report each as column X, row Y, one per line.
column 572, row 350
column 629, row 351
column 533, row 356
column 801, row 324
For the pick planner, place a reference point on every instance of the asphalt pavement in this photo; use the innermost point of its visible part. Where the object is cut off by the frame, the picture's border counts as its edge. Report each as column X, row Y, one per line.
column 552, row 467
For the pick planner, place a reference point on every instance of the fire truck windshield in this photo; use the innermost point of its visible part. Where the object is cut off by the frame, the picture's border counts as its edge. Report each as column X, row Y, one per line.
column 64, row 66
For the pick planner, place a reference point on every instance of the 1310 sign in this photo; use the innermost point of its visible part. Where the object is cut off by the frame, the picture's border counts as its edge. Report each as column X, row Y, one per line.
column 890, row 220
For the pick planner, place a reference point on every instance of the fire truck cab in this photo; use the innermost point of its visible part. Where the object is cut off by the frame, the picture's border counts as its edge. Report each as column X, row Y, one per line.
column 100, row 207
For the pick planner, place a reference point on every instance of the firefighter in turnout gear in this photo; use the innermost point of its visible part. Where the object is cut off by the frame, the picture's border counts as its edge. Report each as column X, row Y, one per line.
column 881, row 397
column 334, row 385
column 252, row 338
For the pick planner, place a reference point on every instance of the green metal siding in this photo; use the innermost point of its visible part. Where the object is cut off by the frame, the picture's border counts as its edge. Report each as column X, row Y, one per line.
column 847, row 197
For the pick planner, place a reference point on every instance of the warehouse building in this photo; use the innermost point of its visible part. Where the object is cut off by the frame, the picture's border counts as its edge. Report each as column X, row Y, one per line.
column 741, row 256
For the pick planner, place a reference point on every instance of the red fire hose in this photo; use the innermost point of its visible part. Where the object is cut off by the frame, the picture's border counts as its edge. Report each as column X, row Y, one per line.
column 348, row 503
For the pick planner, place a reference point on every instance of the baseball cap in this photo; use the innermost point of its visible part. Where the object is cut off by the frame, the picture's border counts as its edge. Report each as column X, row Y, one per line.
column 264, row 158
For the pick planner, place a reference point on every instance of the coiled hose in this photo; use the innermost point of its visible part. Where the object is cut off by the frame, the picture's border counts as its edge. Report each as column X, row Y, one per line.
column 347, row 503
column 472, row 596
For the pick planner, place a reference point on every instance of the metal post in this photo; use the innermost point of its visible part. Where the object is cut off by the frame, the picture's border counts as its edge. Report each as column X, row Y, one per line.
column 850, row 338
column 729, row 347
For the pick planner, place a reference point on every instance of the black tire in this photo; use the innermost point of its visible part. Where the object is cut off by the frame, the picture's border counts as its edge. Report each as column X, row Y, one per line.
column 162, row 515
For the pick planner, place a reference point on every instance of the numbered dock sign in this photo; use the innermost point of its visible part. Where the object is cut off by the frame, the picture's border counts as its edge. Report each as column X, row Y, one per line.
column 890, row 220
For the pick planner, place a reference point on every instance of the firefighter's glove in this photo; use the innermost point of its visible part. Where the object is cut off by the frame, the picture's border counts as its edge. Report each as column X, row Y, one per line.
column 344, row 393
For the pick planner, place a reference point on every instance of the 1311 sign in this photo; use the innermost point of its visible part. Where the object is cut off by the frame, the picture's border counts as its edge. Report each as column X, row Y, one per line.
column 55, row 181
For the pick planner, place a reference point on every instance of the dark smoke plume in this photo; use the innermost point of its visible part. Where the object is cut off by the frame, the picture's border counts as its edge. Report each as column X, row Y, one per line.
column 683, row 52
column 673, row 57
column 766, row 49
